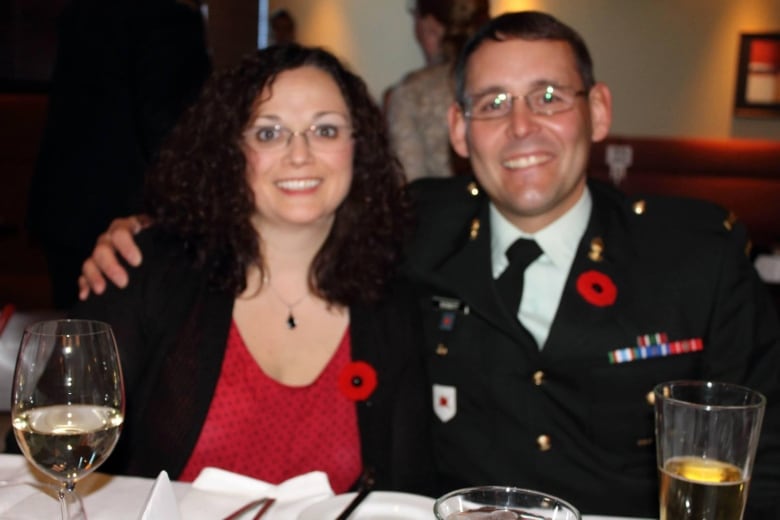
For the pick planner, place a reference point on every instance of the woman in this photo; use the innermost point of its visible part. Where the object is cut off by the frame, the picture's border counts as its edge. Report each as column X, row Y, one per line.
column 417, row 106
column 264, row 332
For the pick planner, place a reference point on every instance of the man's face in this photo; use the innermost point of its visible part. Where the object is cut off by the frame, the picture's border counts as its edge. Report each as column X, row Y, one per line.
column 531, row 165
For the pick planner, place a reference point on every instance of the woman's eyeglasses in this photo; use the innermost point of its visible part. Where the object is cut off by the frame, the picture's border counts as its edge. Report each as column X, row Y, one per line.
column 320, row 136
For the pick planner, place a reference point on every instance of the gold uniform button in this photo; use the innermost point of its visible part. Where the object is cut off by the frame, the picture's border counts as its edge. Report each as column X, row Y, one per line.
column 473, row 189
column 639, row 207
column 543, row 441
column 538, row 377
column 442, row 350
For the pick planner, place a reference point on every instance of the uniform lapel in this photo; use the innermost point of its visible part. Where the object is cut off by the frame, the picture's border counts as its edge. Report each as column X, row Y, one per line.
column 583, row 329
column 467, row 272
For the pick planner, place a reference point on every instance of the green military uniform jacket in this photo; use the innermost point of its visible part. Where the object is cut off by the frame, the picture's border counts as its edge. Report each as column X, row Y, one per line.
column 576, row 418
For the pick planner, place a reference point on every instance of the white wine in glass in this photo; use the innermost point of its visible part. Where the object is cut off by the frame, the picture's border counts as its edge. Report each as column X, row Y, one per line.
column 68, row 401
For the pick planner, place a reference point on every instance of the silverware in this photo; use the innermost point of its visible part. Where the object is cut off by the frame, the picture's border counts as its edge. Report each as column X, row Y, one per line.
column 266, row 507
column 364, row 488
column 265, row 502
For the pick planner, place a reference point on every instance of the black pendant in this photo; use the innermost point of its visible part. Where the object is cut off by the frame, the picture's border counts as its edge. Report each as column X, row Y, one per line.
column 291, row 321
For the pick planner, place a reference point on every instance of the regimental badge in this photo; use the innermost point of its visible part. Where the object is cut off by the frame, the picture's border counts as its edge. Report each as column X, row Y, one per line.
column 474, row 231
column 596, row 249
column 445, row 403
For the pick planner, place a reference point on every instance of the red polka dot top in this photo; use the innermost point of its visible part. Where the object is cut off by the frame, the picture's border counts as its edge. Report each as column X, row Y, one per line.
column 261, row 428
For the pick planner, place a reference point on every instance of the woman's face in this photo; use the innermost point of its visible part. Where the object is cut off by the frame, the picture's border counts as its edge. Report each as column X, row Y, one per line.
column 299, row 150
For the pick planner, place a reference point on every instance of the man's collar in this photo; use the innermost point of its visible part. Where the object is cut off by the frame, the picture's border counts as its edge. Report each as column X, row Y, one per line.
column 558, row 240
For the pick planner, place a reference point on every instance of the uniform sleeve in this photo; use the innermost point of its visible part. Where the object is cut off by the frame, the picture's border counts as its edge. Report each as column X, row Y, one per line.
column 413, row 410
column 395, row 422
column 744, row 342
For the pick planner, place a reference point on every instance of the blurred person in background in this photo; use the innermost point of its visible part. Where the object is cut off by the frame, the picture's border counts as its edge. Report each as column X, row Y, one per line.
column 124, row 72
column 416, row 107
column 282, row 26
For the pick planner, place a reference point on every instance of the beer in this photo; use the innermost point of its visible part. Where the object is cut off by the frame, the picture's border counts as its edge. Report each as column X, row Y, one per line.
column 693, row 488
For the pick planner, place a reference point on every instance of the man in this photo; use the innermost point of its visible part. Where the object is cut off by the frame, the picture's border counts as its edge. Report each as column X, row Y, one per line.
column 554, row 395
column 553, row 390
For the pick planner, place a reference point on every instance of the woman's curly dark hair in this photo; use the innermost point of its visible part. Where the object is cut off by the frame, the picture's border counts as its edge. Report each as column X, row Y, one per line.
column 198, row 190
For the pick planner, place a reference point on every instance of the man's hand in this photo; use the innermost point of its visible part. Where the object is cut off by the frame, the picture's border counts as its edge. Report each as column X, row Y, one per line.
column 104, row 263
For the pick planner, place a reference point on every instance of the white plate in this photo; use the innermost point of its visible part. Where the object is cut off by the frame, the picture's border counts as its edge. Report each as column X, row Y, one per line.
column 380, row 505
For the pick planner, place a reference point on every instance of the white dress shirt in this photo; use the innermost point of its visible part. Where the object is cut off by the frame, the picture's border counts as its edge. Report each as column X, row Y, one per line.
column 546, row 276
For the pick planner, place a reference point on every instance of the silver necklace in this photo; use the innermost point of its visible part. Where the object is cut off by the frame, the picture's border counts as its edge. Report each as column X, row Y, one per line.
column 291, row 323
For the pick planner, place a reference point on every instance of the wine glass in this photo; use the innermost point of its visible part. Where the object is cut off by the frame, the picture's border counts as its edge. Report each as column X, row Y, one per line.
column 68, row 401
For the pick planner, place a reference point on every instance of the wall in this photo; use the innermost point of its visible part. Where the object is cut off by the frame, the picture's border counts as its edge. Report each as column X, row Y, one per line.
column 373, row 36
column 670, row 63
column 232, row 30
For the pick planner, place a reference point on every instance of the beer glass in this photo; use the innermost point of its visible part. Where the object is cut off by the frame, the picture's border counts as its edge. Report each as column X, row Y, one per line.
column 706, row 437
column 502, row 503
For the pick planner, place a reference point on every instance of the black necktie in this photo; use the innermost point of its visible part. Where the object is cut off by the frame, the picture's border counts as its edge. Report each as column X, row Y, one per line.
column 510, row 283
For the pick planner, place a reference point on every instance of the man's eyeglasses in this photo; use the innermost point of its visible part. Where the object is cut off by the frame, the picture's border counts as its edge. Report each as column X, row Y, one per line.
column 321, row 136
column 546, row 100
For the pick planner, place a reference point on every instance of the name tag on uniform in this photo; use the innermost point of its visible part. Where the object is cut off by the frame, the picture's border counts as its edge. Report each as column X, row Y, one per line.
column 444, row 303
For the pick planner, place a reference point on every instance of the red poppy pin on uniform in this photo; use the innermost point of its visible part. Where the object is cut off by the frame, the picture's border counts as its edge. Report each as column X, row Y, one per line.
column 357, row 380
column 597, row 288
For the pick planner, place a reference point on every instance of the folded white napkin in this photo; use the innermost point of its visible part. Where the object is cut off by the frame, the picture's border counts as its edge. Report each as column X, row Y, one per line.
column 217, row 493
column 161, row 502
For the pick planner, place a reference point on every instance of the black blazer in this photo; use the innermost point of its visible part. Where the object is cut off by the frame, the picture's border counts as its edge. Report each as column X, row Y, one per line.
column 566, row 420
column 172, row 329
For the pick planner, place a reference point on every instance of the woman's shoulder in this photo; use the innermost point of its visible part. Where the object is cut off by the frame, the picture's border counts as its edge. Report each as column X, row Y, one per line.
column 160, row 247
column 167, row 261
column 155, row 240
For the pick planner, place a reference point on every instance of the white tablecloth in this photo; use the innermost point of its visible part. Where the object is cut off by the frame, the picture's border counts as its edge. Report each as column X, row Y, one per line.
column 122, row 498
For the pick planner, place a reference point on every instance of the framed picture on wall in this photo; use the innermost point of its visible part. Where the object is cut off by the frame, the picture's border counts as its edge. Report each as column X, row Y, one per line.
column 758, row 76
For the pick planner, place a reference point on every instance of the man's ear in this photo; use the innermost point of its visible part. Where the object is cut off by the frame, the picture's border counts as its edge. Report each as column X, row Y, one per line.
column 457, row 122
column 600, row 102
